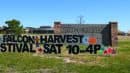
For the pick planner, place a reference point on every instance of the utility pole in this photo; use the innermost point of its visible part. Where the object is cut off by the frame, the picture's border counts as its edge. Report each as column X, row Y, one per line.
column 81, row 21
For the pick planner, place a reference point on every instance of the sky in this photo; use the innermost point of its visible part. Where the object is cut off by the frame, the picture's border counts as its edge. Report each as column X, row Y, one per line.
column 36, row 13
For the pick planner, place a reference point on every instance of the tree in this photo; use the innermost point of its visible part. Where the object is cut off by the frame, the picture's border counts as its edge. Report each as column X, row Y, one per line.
column 14, row 26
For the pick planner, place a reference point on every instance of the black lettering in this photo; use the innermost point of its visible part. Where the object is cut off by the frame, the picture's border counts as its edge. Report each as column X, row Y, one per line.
column 25, row 48
column 96, row 47
column 89, row 49
column 25, row 38
column 75, row 39
column 53, row 49
column 9, row 46
column 19, row 38
column 69, row 38
column 3, row 47
column 19, row 47
column 43, row 40
column 75, row 49
column 46, row 48
column 57, row 38
column 59, row 48
column 50, row 39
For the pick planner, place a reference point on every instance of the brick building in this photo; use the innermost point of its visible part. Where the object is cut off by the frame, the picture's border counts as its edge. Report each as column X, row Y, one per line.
column 105, row 33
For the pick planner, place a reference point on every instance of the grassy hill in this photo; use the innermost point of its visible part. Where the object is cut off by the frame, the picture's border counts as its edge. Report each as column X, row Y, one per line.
column 82, row 63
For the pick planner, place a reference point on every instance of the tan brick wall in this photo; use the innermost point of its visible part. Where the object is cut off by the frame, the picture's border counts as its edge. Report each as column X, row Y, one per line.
column 114, row 33
column 57, row 27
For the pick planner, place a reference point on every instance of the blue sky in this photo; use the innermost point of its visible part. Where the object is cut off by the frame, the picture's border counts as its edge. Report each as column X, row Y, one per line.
column 37, row 13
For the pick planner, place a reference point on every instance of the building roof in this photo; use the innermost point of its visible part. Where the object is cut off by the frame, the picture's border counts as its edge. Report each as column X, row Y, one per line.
column 82, row 28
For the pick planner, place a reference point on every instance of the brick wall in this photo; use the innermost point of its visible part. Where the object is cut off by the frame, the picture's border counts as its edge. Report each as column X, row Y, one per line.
column 113, row 33
column 105, row 33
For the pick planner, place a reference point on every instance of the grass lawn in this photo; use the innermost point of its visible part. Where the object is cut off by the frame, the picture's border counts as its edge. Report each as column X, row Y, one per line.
column 27, row 63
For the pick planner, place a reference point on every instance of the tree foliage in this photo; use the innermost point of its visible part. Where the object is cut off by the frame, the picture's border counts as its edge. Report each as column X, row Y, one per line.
column 14, row 26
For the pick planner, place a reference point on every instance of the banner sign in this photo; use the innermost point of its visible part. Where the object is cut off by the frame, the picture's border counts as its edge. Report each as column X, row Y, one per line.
column 50, row 44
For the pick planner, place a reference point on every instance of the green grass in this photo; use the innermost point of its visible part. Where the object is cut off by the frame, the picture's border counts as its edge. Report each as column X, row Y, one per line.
column 27, row 63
